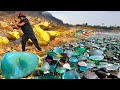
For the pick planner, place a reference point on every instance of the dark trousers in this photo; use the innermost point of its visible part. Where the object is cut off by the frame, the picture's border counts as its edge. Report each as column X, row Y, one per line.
column 25, row 38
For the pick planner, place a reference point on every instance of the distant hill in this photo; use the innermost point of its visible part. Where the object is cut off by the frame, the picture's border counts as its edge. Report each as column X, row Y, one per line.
column 43, row 14
column 49, row 17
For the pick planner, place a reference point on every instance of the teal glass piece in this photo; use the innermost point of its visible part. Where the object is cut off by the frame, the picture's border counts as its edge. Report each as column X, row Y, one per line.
column 51, row 53
column 48, row 77
column 35, row 77
column 103, row 63
column 56, row 58
column 80, row 50
column 75, row 35
column 91, row 65
column 72, row 64
column 45, row 66
column 15, row 65
column 101, row 66
column 82, row 58
column 83, row 68
column 79, row 31
column 57, row 50
column 60, row 70
column 71, row 75
column 103, row 49
column 96, row 52
column 73, row 59
column 75, row 54
column 96, row 57
column 68, row 51
column 113, row 67
column 0, row 64
column 52, row 67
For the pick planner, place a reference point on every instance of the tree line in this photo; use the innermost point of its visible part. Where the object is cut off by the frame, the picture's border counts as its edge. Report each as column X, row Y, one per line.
column 100, row 26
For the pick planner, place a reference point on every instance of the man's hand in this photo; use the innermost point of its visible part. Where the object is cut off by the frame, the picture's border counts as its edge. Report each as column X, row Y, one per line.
column 15, row 27
column 14, row 24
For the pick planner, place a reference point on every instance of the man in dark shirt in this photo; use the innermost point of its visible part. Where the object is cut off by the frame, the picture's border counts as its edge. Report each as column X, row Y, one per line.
column 28, row 32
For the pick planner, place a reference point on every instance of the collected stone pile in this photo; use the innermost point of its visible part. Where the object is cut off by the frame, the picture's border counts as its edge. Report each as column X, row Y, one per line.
column 94, row 58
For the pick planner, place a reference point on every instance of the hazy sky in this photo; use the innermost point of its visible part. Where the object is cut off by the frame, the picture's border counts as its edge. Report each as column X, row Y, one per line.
column 91, row 17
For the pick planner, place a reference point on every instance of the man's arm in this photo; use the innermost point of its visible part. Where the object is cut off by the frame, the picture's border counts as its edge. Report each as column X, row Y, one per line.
column 17, row 25
column 14, row 24
column 21, row 24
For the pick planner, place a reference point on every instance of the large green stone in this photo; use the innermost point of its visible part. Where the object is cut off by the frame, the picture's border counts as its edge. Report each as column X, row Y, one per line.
column 15, row 65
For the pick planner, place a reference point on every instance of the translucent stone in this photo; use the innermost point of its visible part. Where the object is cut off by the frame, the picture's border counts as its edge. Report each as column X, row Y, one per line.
column 90, row 75
column 102, row 66
column 56, row 58
column 80, row 50
column 83, row 68
column 68, row 52
column 60, row 70
column 15, row 65
column 96, row 52
column 52, row 67
column 48, row 77
column 45, row 66
column 67, row 66
column 82, row 58
column 71, row 75
column 51, row 53
column 82, row 63
column 103, row 63
column 91, row 65
column 113, row 67
column 0, row 65
column 73, row 59
column 96, row 57
column 57, row 50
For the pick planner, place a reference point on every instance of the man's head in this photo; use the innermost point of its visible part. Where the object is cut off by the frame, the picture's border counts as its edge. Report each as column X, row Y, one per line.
column 21, row 16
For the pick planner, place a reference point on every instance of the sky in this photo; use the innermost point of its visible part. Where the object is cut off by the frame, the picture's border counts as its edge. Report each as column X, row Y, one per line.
column 90, row 17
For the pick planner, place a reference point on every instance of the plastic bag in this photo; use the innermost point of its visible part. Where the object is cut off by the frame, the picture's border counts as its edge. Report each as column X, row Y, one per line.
column 44, row 25
column 13, row 35
column 53, row 33
column 42, row 36
column 3, row 40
